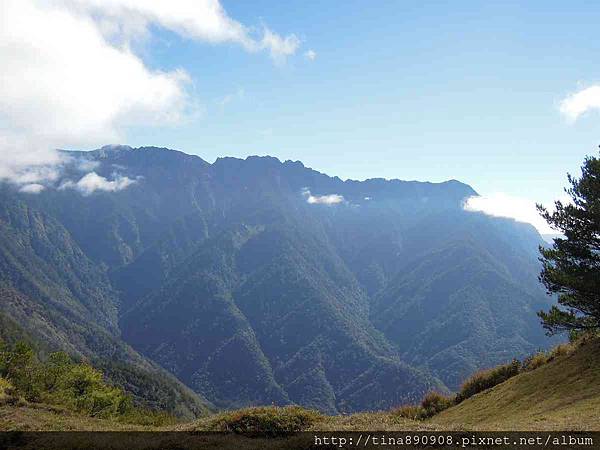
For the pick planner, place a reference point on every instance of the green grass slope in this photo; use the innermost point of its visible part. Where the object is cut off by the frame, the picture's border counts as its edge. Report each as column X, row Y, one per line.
column 563, row 394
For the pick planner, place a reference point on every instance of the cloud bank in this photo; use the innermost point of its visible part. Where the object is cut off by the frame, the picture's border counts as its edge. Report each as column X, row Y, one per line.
column 502, row 205
column 69, row 76
column 577, row 104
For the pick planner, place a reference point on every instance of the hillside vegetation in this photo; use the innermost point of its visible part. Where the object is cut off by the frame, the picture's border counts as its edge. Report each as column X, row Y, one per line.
column 48, row 391
column 558, row 390
column 562, row 394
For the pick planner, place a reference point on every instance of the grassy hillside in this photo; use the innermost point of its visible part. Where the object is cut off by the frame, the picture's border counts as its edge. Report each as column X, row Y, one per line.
column 562, row 394
column 35, row 417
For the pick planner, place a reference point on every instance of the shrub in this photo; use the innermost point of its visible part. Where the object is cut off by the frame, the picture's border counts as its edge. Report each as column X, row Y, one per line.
column 434, row 403
column 535, row 361
column 82, row 387
column 4, row 386
column 413, row 412
column 268, row 421
column 7, row 392
column 60, row 381
column 99, row 402
column 486, row 379
column 561, row 350
column 21, row 367
column 55, row 368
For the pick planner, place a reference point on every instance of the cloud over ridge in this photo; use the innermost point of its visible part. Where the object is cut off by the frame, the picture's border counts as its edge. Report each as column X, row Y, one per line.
column 503, row 205
column 329, row 199
column 70, row 78
column 93, row 182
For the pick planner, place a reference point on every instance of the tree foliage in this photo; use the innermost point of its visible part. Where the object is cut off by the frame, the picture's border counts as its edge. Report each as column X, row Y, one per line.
column 59, row 380
column 571, row 268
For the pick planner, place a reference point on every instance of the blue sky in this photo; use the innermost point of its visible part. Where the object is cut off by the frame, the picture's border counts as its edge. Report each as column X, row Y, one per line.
column 447, row 90
column 400, row 90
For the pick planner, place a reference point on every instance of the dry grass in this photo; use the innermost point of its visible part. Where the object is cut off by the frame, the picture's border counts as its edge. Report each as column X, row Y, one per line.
column 373, row 421
column 39, row 417
column 536, row 360
column 486, row 379
column 262, row 421
column 562, row 394
column 433, row 403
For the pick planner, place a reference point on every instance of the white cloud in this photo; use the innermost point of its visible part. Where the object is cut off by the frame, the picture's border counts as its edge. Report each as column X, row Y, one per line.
column 227, row 99
column 279, row 47
column 70, row 79
column 330, row 199
column 33, row 188
column 93, row 182
column 204, row 20
column 575, row 105
column 310, row 54
column 502, row 205
column 86, row 165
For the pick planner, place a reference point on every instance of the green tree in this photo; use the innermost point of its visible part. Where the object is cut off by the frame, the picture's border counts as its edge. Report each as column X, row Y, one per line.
column 571, row 268
column 20, row 365
column 84, row 388
column 55, row 369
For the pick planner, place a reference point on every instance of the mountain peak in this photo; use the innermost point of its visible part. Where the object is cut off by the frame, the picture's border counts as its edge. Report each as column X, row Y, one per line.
column 111, row 149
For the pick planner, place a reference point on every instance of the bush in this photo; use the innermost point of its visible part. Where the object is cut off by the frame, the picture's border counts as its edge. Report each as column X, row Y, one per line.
column 412, row 412
column 268, row 421
column 432, row 404
column 7, row 392
column 535, row 361
column 4, row 386
column 21, row 367
column 486, row 379
column 60, row 381
column 55, row 368
column 82, row 388
column 561, row 350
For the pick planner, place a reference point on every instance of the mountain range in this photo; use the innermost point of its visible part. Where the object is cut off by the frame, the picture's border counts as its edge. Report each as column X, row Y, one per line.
column 201, row 286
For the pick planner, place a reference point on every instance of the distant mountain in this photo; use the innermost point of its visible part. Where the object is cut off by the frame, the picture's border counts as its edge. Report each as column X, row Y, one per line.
column 255, row 281
column 55, row 296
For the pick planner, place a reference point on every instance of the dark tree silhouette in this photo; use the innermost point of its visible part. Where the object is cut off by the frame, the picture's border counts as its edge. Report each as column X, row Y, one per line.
column 571, row 268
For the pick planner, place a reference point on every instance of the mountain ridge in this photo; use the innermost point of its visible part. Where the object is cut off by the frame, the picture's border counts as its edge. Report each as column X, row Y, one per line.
column 291, row 271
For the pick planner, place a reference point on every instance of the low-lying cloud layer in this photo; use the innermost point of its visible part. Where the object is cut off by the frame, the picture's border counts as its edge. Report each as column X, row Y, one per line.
column 502, row 205
column 70, row 78
column 93, row 182
column 330, row 199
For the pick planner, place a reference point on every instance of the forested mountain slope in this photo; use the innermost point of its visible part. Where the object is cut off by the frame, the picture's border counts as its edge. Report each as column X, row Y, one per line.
column 55, row 296
column 256, row 281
